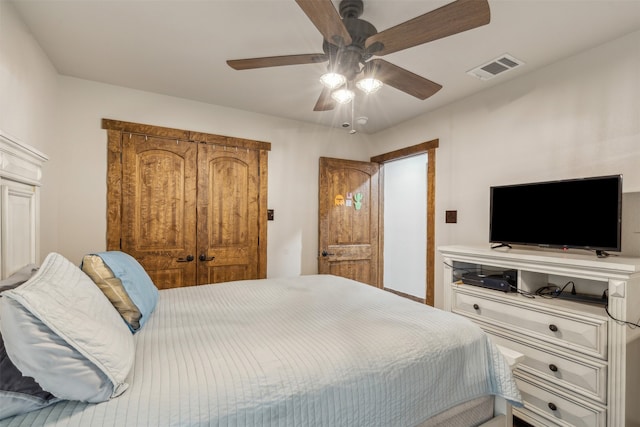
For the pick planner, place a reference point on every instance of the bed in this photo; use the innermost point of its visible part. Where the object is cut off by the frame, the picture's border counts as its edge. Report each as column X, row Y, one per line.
column 313, row 350
column 309, row 350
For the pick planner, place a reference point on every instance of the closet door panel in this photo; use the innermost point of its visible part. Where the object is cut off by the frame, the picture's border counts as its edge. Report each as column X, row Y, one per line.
column 158, row 208
column 228, row 226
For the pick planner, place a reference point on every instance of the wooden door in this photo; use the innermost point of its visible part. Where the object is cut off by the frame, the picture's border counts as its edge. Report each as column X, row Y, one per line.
column 159, row 207
column 191, row 207
column 349, row 220
column 228, row 214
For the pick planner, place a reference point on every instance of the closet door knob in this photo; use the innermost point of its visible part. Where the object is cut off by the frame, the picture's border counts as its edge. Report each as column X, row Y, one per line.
column 189, row 258
column 553, row 328
column 476, row 307
column 553, row 368
column 552, row 406
column 204, row 257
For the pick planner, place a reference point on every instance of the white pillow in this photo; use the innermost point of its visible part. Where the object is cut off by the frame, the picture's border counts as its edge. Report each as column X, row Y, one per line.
column 60, row 329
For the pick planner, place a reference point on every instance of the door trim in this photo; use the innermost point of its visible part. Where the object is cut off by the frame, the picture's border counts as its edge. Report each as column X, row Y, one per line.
column 428, row 147
column 117, row 129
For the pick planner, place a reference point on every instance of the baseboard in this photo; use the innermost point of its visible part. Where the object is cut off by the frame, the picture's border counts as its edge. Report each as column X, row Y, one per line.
column 402, row 294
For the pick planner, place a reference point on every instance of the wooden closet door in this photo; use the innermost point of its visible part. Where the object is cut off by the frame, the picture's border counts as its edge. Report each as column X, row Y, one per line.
column 159, row 208
column 228, row 214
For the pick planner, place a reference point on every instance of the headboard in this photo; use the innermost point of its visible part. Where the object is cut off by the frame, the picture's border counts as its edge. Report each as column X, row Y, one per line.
column 20, row 180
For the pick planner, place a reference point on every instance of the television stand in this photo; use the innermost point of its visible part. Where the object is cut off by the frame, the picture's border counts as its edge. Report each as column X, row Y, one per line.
column 602, row 254
column 581, row 366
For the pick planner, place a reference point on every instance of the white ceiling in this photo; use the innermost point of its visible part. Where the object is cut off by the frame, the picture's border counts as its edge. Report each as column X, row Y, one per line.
column 179, row 48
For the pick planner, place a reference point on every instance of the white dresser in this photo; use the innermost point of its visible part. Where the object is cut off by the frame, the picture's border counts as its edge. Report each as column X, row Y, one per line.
column 581, row 368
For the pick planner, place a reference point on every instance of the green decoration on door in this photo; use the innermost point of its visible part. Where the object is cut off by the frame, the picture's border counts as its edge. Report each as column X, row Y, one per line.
column 357, row 201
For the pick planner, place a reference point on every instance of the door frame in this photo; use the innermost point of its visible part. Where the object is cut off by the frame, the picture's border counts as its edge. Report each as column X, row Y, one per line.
column 116, row 129
column 428, row 147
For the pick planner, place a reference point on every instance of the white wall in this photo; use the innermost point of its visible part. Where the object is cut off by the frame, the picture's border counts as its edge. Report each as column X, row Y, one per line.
column 28, row 97
column 293, row 164
column 579, row 117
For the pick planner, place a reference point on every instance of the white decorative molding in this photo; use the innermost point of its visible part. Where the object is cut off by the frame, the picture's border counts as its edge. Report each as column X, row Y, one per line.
column 617, row 288
column 19, row 161
column 618, row 364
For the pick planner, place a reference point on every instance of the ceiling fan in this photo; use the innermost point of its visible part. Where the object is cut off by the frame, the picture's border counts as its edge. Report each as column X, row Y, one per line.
column 350, row 43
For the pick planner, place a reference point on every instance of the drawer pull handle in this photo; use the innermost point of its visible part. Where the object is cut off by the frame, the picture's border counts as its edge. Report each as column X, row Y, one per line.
column 553, row 328
column 552, row 406
column 553, row 368
column 476, row 307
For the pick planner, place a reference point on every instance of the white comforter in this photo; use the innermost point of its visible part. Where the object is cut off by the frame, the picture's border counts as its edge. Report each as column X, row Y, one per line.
column 305, row 351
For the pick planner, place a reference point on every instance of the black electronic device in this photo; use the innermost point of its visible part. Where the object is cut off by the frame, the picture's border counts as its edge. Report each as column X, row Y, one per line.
column 581, row 213
column 505, row 282
column 593, row 299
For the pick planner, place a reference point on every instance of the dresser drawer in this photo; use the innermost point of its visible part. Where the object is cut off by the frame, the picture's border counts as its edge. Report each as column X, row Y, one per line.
column 556, row 409
column 575, row 332
column 585, row 377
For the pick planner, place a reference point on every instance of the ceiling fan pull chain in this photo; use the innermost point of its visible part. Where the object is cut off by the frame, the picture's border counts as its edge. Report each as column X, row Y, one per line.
column 353, row 107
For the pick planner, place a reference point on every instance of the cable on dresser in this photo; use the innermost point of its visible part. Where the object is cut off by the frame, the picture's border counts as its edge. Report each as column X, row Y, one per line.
column 619, row 321
column 553, row 291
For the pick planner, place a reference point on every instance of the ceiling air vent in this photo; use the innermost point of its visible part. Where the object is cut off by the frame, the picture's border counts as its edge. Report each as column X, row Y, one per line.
column 500, row 65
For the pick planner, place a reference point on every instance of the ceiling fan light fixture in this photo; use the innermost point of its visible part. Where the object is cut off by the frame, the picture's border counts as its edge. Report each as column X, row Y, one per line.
column 369, row 85
column 343, row 96
column 332, row 80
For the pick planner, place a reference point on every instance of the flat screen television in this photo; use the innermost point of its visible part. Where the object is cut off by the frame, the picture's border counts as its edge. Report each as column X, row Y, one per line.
column 581, row 213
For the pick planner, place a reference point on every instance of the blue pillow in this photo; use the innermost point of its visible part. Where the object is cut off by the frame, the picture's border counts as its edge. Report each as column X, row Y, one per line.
column 136, row 283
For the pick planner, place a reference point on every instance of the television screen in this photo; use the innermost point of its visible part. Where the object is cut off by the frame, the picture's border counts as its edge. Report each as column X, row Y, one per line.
column 578, row 213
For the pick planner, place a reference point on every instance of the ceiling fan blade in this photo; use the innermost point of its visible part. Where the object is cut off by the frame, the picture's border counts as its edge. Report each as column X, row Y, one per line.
column 450, row 19
column 276, row 61
column 325, row 102
column 404, row 80
column 327, row 20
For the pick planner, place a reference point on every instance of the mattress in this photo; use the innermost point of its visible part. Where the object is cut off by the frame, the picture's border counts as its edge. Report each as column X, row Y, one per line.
column 312, row 350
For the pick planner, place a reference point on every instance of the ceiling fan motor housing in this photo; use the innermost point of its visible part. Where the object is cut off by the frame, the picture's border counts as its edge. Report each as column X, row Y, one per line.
column 351, row 8
column 347, row 59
